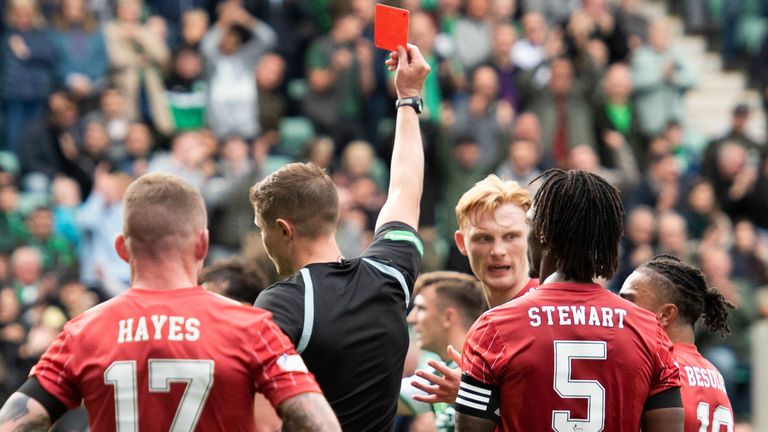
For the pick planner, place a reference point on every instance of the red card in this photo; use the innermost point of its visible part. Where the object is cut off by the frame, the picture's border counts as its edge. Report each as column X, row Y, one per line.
column 390, row 27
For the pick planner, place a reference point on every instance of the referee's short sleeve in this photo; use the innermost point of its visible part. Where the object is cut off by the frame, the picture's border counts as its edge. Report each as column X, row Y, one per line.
column 399, row 244
column 286, row 302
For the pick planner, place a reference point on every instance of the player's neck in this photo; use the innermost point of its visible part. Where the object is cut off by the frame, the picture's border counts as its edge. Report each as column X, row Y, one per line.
column 319, row 250
column 681, row 334
column 497, row 298
column 456, row 339
column 163, row 274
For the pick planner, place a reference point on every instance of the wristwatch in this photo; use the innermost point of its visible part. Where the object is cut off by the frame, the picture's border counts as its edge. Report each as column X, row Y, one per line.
column 415, row 101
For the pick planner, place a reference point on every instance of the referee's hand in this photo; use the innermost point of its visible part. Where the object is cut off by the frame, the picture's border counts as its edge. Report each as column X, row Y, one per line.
column 410, row 70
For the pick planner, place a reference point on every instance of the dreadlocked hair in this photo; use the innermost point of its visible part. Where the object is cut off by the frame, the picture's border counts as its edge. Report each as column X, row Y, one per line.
column 686, row 287
column 579, row 217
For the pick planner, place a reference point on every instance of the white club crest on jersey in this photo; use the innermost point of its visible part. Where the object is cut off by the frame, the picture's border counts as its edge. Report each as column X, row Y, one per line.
column 291, row 363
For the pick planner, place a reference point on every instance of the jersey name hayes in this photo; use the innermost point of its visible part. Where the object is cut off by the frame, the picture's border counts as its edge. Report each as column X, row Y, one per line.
column 577, row 315
column 157, row 327
column 704, row 377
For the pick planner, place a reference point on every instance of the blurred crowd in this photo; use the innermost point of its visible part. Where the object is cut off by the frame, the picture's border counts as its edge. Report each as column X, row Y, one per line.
column 97, row 92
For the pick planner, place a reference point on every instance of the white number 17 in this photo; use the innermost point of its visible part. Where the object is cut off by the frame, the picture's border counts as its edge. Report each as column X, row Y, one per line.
column 198, row 374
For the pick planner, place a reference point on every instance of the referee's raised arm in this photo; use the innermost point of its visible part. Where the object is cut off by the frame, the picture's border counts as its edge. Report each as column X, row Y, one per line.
column 407, row 172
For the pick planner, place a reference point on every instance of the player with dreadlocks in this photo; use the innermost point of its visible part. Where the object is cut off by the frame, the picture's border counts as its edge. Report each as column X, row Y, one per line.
column 679, row 296
column 570, row 355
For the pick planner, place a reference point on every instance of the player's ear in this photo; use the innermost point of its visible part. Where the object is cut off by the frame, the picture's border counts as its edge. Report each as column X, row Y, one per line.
column 120, row 247
column 667, row 314
column 286, row 227
column 458, row 237
column 201, row 244
column 450, row 316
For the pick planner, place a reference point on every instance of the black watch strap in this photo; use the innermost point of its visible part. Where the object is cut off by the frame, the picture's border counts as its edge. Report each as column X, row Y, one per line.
column 413, row 101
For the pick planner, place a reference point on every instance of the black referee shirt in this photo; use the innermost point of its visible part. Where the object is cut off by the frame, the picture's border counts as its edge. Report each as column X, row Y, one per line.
column 347, row 319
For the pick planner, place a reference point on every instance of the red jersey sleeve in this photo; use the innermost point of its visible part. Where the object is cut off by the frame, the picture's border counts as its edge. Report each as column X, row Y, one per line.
column 483, row 352
column 281, row 373
column 666, row 374
column 52, row 372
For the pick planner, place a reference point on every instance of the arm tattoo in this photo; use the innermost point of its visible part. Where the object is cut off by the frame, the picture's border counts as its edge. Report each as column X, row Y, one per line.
column 23, row 414
column 308, row 412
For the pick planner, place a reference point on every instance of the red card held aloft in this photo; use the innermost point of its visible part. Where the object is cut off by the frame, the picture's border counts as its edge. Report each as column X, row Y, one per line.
column 390, row 27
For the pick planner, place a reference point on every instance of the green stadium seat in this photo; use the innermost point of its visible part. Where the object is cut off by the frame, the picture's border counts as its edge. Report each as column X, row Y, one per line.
column 9, row 162
column 750, row 33
column 294, row 134
column 275, row 162
column 297, row 89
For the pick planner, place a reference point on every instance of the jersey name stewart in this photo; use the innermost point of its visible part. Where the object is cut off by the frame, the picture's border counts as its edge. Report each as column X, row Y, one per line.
column 565, row 357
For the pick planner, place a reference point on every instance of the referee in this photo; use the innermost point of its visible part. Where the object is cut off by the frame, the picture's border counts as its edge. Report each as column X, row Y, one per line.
column 347, row 316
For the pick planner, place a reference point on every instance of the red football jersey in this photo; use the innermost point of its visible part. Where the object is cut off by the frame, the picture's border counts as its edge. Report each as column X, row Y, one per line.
column 529, row 287
column 181, row 360
column 706, row 403
column 565, row 357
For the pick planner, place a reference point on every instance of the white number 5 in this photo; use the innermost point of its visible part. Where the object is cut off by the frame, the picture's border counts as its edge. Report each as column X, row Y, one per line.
column 198, row 374
column 592, row 390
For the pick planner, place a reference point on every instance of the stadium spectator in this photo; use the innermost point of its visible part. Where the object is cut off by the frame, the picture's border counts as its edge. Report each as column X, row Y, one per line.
column 27, row 275
column 747, row 255
column 101, row 220
column 504, row 37
column 185, row 160
column 529, row 51
column 113, row 112
column 471, row 34
column 65, row 200
column 133, row 156
column 702, row 213
column 186, row 90
column 615, row 113
column 232, row 49
column 138, row 55
column 81, row 49
column 270, row 77
column 661, row 75
column 735, row 178
column 521, row 164
column 194, row 25
column 637, row 245
column 672, row 236
column 625, row 176
column 56, row 252
column 483, row 117
column 340, row 76
column 564, row 110
column 660, row 187
column 27, row 72
column 11, row 219
column 737, row 133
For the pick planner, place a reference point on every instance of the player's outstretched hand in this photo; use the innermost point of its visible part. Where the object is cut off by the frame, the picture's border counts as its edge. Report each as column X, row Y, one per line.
column 443, row 389
column 410, row 70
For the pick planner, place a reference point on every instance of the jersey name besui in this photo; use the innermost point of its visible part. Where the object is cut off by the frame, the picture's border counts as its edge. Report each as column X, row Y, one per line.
column 704, row 377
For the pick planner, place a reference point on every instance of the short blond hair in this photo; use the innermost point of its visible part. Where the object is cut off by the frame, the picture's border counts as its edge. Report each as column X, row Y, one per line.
column 161, row 209
column 488, row 195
